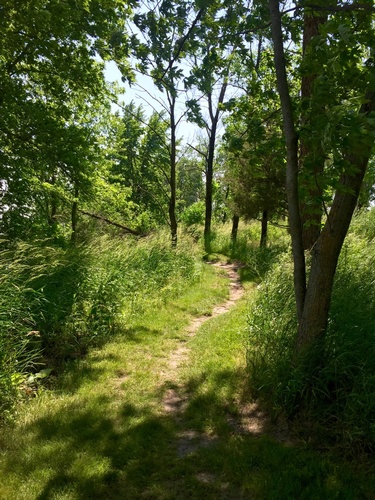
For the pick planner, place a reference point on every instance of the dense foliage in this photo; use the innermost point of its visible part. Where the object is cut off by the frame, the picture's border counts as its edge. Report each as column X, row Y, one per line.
column 80, row 170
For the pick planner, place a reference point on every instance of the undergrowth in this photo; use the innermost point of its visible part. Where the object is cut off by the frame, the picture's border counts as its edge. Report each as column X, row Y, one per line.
column 246, row 248
column 57, row 302
column 332, row 390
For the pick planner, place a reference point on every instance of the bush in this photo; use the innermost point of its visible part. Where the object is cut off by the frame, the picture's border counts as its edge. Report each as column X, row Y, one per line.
column 194, row 214
column 333, row 386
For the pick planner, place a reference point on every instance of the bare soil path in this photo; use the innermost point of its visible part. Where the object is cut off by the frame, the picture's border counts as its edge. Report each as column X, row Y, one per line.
column 175, row 400
column 251, row 420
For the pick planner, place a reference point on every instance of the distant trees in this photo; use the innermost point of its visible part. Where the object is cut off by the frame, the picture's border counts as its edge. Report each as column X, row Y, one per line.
column 255, row 151
column 140, row 162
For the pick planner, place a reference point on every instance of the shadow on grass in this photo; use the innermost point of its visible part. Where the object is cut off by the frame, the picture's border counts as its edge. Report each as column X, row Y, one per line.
column 137, row 333
column 98, row 450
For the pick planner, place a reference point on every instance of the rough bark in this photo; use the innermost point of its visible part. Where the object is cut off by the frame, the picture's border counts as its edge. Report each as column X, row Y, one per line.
column 295, row 223
column 264, row 229
column 327, row 249
column 311, row 212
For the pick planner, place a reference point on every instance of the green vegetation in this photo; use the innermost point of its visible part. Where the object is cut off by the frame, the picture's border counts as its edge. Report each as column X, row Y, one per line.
column 110, row 212
column 104, row 429
column 56, row 303
column 331, row 389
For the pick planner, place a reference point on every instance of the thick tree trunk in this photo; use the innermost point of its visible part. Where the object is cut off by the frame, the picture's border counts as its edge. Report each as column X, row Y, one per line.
column 313, row 304
column 311, row 155
column 295, row 223
column 235, row 222
column 264, row 229
column 327, row 249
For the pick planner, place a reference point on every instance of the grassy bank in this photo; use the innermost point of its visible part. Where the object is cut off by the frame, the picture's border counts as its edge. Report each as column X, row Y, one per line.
column 58, row 302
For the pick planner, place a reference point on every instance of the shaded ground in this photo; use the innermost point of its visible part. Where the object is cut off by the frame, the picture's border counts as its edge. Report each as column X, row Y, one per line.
column 169, row 434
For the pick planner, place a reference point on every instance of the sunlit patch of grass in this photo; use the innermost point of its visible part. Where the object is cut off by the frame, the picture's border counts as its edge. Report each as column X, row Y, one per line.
column 100, row 412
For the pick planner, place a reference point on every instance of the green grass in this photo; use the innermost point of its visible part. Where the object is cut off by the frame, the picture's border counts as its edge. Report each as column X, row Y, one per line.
column 330, row 394
column 103, row 431
column 56, row 303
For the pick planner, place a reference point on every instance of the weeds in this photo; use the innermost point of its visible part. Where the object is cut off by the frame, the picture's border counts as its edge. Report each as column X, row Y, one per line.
column 332, row 390
column 55, row 302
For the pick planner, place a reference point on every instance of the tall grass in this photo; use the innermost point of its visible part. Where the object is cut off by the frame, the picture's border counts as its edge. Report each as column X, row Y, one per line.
column 246, row 247
column 55, row 303
column 333, row 388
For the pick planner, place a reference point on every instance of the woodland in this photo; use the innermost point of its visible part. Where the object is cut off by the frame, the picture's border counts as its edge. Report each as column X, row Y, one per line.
column 112, row 213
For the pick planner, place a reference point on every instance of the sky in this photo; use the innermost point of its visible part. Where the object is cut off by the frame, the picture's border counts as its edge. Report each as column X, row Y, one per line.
column 186, row 131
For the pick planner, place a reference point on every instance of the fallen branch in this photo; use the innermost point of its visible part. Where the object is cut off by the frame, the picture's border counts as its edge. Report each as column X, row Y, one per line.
column 116, row 224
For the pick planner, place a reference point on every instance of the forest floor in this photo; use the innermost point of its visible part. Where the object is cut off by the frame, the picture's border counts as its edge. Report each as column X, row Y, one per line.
column 164, row 412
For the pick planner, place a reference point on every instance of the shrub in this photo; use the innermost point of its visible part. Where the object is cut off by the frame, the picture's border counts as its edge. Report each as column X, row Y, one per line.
column 194, row 214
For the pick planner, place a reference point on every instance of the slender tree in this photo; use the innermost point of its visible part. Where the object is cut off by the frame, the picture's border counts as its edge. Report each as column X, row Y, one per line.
column 165, row 28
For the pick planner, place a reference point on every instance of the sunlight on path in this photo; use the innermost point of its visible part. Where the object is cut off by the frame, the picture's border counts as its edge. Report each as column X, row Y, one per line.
column 173, row 399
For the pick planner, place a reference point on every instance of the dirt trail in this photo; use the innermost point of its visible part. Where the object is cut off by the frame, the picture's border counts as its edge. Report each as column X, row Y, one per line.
column 250, row 419
column 173, row 400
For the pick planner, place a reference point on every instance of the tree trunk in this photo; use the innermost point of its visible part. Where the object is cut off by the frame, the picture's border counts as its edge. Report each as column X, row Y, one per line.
column 327, row 249
column 208, row 202
column 172, row 200
column 52, row 208
column 225, row 214
column 235, row 222
column 210, row 163
column 74, row 215
column 295, row 223
column 312, row 156
column 112, row 223
column 264, row 229
column 313, row 304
